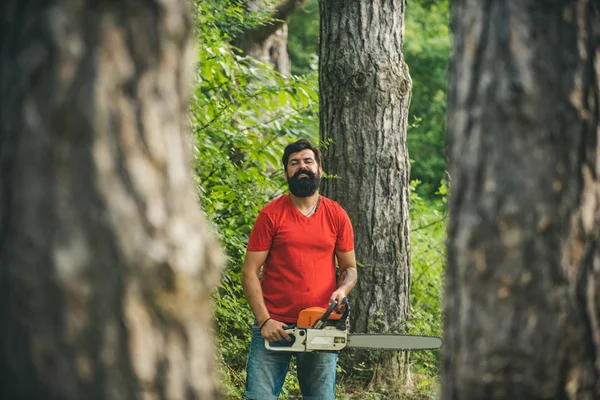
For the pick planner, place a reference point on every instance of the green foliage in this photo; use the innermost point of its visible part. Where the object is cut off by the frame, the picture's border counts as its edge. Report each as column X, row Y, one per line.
column 303, row 34
column 426, row 50
column 428, row 236
column 242, row 114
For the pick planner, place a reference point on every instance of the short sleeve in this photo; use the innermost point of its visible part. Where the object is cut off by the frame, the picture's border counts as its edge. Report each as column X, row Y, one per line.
column 261, row 236
column 345, row 235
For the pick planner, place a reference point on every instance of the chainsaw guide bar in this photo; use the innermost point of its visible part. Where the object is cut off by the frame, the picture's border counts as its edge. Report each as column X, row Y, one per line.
column 370, row 341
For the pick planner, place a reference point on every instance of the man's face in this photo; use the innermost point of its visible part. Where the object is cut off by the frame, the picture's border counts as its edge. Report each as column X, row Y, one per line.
column 303, row 174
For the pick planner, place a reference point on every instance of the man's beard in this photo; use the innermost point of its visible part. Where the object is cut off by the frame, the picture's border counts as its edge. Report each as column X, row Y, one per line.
column 305, row 186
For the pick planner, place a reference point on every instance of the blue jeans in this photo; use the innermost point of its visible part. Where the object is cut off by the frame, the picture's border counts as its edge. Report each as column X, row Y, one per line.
column 267, row 369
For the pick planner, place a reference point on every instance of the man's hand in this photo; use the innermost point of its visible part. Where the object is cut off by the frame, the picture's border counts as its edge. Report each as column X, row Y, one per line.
column 338, row 296
column 274, row 330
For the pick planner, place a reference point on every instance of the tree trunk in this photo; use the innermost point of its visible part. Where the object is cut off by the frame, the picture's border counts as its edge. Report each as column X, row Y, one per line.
column 365, row 93
column 522, row 316
column 106, row 265
column 268, row 43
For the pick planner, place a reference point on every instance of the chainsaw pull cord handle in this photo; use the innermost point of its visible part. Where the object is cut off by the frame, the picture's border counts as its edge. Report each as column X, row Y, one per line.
column 319, row 324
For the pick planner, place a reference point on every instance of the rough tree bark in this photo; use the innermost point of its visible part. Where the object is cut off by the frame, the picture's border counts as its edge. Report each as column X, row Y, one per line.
column 523, row 276
column 365, row 91
column 268, row 43
column 106, row 265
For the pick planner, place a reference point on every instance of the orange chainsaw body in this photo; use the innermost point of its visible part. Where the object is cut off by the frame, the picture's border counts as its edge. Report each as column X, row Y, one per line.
column 309, row 316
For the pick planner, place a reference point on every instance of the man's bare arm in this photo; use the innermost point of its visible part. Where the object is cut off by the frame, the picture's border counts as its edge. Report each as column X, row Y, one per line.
column 251, row 284
column 348, row 279
column 348, row 276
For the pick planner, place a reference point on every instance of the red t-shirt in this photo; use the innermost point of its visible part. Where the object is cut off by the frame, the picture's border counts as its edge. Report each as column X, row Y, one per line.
column 299, row 271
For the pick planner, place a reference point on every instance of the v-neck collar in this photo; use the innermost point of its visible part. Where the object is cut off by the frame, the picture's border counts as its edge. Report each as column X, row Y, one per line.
column 299, row 213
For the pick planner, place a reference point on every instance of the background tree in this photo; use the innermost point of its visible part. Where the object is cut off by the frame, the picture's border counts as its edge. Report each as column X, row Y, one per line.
column 268, row 42
column 106, row 265
column 523, row 279
column 426, row 51
column 365, row 94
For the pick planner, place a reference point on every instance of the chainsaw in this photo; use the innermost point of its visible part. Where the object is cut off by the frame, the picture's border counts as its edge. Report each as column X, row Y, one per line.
column 319, row 329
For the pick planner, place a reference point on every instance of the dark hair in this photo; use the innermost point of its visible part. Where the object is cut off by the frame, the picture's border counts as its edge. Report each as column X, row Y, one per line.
column 296, row 147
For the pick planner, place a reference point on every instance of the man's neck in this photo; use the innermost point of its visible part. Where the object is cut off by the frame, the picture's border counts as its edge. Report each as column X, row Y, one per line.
column 305, row 203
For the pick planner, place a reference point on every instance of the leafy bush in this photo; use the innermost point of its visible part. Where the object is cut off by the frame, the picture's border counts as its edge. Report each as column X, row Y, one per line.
column 428, row 237
column 427, row 51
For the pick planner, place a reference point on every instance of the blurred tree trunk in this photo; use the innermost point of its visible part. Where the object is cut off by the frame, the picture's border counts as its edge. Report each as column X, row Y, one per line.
column 523, row 279
column 365, row 91
column 268, row 43
column 106, row 265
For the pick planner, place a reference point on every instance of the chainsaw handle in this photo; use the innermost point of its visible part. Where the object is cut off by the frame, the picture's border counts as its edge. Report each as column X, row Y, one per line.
column 292, row 346
column 319, row 324
column 346, row 310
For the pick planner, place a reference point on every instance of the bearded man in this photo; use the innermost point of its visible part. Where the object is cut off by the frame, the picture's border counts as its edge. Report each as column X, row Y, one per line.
column 296, row 240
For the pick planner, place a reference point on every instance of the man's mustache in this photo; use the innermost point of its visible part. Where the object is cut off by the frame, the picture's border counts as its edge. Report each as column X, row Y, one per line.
column 306, row 172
